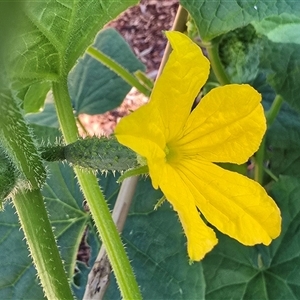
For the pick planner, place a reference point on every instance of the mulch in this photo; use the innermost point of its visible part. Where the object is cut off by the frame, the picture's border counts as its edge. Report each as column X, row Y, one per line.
column 142, row 27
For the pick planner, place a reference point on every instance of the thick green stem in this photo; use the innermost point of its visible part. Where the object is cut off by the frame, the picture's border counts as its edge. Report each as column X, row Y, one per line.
column 212, row 48
column 260, row 154
column 40, row 239
column 97, row 204
column 118, row 69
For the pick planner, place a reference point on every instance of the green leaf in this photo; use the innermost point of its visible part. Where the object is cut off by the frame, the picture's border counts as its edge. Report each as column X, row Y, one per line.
column 156, row 245
column 234, row 271
column 9, row 15
column 283, row 142
column 18, row 278
column 214, row 18
column 280, row 29
column 239, row 52
column 47, row 117
column 54, row 34
column 94, row 88
column 281, row 63
column 35, row 97
column 64, row 202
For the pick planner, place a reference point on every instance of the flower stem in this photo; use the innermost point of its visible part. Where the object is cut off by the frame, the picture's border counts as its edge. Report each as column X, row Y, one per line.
column 95, row 199
column 260, row 154
column 212, row 48
column 40, row 239
column 118, row 69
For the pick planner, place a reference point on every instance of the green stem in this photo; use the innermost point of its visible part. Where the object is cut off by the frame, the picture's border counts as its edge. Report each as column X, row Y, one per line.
column 40, row 239
column 118, row 69
column 272, row 113
column 260, row 154
column 110, row 237
column 95, row 199
column 212, row 48
column 64, row 111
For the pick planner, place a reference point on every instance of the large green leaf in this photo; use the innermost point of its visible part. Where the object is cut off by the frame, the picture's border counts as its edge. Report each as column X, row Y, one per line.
column 233, row 271
column 283, row 142
column 214, row 18
column 283, row 28
column 94, row 88
column 18, row 278
column 156, row 246
column 53, row 34
column 282, row 65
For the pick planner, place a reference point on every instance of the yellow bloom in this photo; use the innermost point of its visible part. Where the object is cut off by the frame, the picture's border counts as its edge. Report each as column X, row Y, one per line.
column 181, row 148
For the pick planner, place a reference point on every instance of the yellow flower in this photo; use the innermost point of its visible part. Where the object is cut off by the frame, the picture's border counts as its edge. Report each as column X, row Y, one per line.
column 181, row 147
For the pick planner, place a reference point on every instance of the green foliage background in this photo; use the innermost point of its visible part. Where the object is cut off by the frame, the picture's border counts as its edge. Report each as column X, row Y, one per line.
column 257, row 46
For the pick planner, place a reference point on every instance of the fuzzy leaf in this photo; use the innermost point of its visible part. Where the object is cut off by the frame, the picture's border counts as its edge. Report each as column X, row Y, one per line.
column 53, row 34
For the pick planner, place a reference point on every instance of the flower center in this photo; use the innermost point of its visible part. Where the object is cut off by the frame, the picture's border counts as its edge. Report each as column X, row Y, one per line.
column 172, row 154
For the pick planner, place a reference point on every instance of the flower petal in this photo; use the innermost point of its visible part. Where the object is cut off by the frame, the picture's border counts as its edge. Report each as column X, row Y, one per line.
column 201, row 238
column 141, row 133
column 235, row 204
column 226, row 126
column 183, row 76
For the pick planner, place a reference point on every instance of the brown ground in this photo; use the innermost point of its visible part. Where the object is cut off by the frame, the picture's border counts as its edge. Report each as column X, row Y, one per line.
column 142, row 27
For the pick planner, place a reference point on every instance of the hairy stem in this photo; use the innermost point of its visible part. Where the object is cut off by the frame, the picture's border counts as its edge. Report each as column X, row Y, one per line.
column 40, row 239
column 95, row 199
